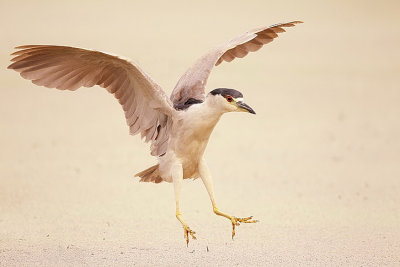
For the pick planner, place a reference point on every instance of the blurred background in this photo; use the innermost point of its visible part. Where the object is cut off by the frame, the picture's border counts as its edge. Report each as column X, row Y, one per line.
column 319, row 165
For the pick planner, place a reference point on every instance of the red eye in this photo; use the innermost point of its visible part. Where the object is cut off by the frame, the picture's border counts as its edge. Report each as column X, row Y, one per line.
column 229, row 98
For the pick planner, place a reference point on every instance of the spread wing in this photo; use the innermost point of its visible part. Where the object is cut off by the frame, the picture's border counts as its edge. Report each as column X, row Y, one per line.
column 148, row 110
column 193, row 82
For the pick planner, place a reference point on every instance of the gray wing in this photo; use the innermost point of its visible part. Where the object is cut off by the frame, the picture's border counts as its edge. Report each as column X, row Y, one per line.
column 148, row 110
column 193, row 82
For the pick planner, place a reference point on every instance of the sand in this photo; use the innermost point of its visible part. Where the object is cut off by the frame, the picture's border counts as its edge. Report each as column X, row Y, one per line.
column 319, row 165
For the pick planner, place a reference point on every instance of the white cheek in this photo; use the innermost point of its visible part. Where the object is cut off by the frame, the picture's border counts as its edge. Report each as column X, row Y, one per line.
column 230, row 106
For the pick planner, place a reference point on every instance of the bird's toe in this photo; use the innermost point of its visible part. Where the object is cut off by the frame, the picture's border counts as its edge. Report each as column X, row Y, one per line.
column 188, row 232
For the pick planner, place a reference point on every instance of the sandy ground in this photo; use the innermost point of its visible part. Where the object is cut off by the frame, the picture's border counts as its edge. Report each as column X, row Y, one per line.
column 319, row 165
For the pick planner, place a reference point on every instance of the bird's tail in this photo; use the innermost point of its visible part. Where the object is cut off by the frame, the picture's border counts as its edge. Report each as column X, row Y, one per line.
column 151, row 174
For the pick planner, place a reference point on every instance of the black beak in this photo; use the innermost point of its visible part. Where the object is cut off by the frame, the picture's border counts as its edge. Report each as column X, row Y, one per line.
column 246, row 107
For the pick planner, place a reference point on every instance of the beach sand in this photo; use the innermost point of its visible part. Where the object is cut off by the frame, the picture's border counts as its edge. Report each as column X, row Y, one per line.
column 319, row 165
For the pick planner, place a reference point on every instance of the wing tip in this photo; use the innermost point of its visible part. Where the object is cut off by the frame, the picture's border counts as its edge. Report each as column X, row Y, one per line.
column 12, row 66
column 28, row 46
column 20, row 48
column 286, row 24
column 23, row 46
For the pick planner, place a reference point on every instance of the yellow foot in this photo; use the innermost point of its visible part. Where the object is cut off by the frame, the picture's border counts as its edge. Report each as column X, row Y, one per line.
column 236, row 222
column 187, row 231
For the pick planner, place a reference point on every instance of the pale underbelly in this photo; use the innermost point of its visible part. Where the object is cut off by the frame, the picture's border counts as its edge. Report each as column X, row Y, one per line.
column 188, row 155
column 187, row 148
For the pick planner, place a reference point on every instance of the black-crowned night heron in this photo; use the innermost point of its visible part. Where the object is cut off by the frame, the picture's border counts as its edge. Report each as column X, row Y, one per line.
column 177, row 127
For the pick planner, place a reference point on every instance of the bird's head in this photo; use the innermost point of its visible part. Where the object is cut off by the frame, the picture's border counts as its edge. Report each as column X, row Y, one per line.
column 229, row 100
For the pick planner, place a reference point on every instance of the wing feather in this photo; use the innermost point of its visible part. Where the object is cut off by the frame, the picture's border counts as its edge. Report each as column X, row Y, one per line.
column 147, row 109
column 193, row 82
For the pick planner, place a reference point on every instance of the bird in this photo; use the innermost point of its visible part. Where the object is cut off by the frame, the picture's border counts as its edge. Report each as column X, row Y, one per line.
column 178, row 127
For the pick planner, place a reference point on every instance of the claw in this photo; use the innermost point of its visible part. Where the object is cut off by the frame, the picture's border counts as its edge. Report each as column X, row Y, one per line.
column 236, row 222
column 188, row 231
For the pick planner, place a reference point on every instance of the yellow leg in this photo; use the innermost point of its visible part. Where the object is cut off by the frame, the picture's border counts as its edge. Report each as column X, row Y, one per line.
column 234, row 220
column 206, row 177
column 177, row 176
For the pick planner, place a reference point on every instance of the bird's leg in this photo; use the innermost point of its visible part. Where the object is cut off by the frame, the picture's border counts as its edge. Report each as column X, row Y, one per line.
column 177, row 178
column 206, row 177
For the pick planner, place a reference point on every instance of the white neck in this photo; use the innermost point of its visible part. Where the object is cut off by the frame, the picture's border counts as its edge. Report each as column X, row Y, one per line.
column 212, row 106
column 204, row 115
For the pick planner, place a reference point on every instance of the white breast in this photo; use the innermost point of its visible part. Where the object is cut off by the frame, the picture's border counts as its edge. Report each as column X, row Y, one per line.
column 191, row 134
